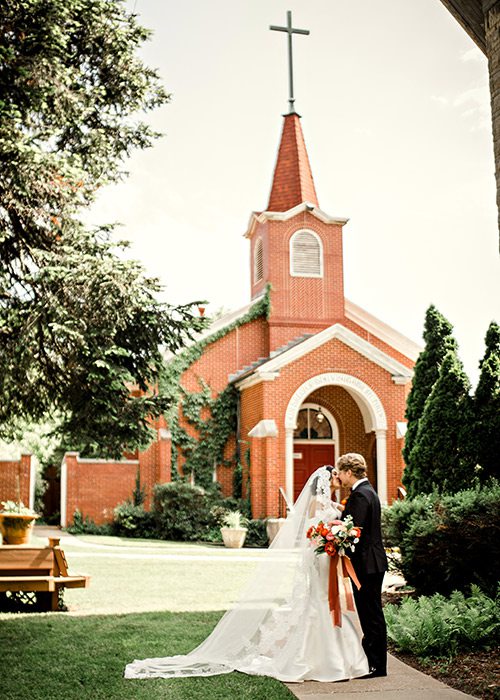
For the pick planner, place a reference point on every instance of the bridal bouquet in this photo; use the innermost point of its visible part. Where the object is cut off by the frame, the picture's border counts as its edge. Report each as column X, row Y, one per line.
column 334, row 537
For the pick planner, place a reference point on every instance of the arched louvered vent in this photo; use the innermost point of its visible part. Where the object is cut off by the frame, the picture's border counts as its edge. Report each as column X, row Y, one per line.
column 258, row 258
column 306, row 255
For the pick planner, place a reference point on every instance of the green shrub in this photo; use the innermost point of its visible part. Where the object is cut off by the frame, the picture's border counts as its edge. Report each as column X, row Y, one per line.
column 213, row 535
column 181, row 511
column 257, row 534
column 448, row 542
column 439, row 626
column 397, row 519
column 86, row 526
column 133, row 521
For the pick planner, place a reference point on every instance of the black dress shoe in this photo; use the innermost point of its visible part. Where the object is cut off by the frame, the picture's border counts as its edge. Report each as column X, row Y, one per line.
column 374, row 673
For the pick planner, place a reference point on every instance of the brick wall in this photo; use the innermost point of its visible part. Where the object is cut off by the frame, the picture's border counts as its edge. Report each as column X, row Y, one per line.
column 306, row 304
column 240, row 347
column 15, row 480
column 95, row 487
column 270, row 400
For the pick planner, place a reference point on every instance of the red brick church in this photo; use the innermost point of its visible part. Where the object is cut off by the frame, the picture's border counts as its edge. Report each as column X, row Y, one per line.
column 316, row 375
column 319, row 376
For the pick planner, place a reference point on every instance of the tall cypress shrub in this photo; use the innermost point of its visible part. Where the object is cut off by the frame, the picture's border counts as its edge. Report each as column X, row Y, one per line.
column 485, row 434
column 438, row 341
column 439, row 457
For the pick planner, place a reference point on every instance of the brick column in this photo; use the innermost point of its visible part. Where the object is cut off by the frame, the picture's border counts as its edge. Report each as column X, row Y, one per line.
column 272, row 477
column 69, row 487
column 257, row 478
column 164, row 466
column 26, row 477
column 264, row 476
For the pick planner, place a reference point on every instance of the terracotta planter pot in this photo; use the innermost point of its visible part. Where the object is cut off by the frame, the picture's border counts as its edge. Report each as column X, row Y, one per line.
column 17, row 528
column 233, row 537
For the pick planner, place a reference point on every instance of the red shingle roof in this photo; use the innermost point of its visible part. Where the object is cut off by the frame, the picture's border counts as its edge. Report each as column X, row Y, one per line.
column 292, row 181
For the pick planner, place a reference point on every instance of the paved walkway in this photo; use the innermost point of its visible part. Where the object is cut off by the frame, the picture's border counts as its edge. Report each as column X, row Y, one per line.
column 402, row 683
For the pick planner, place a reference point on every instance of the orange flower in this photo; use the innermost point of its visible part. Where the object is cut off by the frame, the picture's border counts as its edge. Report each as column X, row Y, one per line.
column 330, row 549
column 343, row 501
column 324, row 532
column 310, row 532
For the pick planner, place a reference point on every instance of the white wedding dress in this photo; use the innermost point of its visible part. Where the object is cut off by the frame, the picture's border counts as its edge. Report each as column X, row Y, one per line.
column 281, row 626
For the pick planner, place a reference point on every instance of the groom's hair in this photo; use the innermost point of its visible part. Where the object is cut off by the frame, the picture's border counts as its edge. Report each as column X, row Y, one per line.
column 353, row 461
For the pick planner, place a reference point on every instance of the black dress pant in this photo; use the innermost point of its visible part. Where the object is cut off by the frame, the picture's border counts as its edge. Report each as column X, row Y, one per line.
column 369, row 604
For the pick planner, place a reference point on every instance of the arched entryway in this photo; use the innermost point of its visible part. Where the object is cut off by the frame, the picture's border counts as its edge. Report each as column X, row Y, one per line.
column 315, row 439
column 373, row 419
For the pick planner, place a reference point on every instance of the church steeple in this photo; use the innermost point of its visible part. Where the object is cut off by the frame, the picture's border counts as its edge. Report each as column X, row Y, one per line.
column 292, row 181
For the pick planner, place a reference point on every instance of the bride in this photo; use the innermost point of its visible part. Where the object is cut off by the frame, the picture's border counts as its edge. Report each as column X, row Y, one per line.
column 282, row 625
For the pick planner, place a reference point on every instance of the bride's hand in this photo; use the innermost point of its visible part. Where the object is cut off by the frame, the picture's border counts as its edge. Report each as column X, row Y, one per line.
column 339, row 506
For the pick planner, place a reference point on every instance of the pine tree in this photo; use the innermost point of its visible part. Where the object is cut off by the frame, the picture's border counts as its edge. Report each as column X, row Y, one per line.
column 79, row 324
column 485, row 435
column 439, row 458
column 438, row 341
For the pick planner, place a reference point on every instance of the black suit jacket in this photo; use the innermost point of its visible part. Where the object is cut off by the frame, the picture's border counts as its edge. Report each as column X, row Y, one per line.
column 364, row 505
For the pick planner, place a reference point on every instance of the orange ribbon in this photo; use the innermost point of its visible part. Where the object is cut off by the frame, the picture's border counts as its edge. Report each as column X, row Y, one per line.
column 346, row 570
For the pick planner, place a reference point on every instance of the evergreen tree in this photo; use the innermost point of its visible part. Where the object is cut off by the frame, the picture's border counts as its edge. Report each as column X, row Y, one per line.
column 485, row 434
column 79, row 324
column 439, row 458
column 438, row 341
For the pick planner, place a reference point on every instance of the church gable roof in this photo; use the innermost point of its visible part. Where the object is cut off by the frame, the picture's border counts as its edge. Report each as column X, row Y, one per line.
column 382, row 331
column 292, row 181
column 269, row 369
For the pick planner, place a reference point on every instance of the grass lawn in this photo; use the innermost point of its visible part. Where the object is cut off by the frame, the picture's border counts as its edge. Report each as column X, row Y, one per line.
column 58, row 656
column 131, row 611
column 131, row 575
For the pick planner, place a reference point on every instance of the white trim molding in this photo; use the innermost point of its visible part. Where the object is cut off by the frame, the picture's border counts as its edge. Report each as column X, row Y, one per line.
column 269, row 370
column 400, row 380
column 333, row 424
column 264, row 428
column 401, row 428
column 381, row 447
column 64, row 493
column 375, row 412
column 371, row 408
column 382, row 330
column 262, row 217
column 257, row 378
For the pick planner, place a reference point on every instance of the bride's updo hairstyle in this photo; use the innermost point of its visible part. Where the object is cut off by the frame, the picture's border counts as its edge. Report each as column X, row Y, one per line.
column 314, row 483
column 353, row 461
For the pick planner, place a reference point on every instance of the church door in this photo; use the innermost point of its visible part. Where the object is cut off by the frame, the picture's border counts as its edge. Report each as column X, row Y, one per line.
column 307, row 457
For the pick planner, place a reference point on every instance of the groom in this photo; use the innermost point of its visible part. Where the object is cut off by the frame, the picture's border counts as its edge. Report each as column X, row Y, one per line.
column 369, row 559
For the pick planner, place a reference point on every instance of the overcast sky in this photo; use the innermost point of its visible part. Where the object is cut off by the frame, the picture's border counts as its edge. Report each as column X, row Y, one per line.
column 395, row 112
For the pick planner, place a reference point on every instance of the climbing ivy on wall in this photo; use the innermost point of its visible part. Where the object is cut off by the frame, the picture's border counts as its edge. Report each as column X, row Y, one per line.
column 206, row 450
column 213, row 418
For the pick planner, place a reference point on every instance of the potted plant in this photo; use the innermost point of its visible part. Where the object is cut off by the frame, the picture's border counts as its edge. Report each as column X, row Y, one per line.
column 234, row 529
column 273, row 526
column 16, row 522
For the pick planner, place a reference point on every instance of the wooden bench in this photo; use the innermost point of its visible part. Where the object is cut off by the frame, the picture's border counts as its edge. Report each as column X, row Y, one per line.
column 43, row 570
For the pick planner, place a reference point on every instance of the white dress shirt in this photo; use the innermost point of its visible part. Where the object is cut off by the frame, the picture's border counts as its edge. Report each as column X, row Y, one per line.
column 358, row 482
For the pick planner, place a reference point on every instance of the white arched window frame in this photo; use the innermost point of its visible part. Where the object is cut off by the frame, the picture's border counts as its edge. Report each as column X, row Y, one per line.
column 258, row 261
column 306, row 254
column 334, row 440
